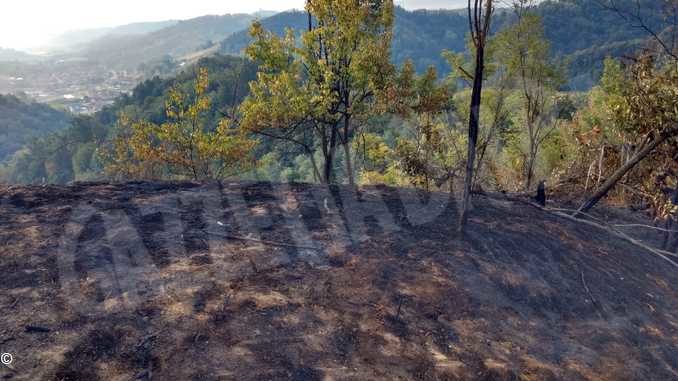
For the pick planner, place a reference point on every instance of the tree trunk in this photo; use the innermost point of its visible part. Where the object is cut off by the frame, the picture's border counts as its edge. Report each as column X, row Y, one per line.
column 349, row 164
column 347, row 151
column 607, row 186
column 479, row 167
column 600, row 165
column 532, row 155
column 530, row 171
column 328, row 170
column 474, row 122
column 316, row 172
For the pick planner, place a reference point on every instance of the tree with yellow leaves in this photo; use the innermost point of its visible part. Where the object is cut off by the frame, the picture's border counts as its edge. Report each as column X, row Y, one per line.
column 428, row 151
column 316, row 92
column 184, row 146
column 643, row 101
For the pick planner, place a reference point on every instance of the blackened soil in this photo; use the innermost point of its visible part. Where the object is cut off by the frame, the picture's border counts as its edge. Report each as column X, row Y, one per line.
column 183, row 281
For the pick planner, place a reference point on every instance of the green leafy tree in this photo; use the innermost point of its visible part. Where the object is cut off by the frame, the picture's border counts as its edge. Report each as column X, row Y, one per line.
column 642, row 103
column 523, row 50
column 184, row 146
column 428, row 153
column 315, row 91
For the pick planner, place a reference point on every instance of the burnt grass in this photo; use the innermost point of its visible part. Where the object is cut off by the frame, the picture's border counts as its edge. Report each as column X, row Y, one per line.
column 259, row 281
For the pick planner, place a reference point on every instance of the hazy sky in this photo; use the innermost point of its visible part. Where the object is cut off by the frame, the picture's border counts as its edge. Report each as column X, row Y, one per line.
column 28, row 24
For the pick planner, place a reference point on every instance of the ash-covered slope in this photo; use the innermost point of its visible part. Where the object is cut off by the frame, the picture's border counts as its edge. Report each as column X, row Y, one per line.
column 297, row 282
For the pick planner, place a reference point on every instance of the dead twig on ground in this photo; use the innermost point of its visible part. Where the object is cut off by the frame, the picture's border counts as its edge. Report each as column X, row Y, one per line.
column 645, row 227
column 588, row 292
column 265, row 242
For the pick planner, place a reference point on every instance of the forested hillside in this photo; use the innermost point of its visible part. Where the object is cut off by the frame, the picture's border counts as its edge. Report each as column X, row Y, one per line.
column 372, row 194
column 74, row 39
column 418, row 35
column 184, row 37
column 16, row 56
column 581, row 33
column 21, row 121
column 74, row 152
column 415, row 127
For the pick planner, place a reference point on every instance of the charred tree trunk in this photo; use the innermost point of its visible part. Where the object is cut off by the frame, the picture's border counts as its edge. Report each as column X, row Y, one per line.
column 328, row 169
column 479, row 16
column 473, row 127
column 541, row 194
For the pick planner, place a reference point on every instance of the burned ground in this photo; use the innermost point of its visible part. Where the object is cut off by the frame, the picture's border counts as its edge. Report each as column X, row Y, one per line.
column 180, row 281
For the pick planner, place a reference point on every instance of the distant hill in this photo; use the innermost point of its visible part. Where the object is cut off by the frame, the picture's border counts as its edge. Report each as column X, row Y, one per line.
column 584, row 33
column 75, row 38
column 20, row 121
column 580, row 31
column 237, row 42
column 181, row 38
column 16, row 56
column 70, row 153
column 147, row 100
column 420, row 35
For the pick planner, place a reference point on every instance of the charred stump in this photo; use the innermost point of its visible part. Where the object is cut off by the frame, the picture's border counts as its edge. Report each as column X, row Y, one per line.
column 540, row 198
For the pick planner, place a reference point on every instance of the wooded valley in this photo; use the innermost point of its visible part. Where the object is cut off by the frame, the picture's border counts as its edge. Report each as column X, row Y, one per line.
column 367, row 101
column 352, row 191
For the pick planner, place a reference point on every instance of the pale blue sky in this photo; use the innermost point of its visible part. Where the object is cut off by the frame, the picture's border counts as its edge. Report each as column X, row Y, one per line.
column 28, row 24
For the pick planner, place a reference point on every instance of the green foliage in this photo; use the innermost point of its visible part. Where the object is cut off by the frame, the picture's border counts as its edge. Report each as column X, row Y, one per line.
column 644, row 100
column 21, row 121
column 422, row 154
column 524, row 52
column 85, row 163
column 184, row 146
column 376, row 154
column 333, row 73
column 417, row 35
column 229, row 77
column 633, row 106
column 646, row 107
column 227, row 87
column 580, row 32
column 50, row 159
column 405, row 127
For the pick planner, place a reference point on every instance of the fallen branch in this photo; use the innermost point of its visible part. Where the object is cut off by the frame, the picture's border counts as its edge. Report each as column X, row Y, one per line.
column 660, row 253
column 602, row 225
column 645, row 226
column 270, row 243
column 593, row 300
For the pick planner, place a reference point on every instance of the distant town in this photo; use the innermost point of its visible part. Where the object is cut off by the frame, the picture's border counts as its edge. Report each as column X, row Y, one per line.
column 78, row 86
